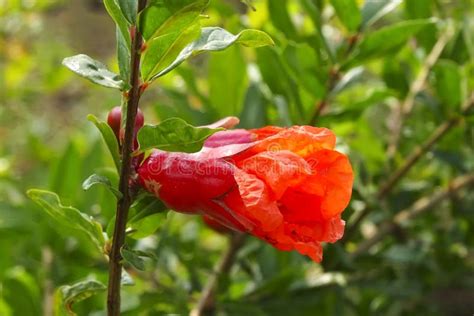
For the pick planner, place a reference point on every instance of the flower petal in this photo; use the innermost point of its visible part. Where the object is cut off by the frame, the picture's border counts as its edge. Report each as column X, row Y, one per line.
column 256, row 198
column 332, row 180
column 279, row 170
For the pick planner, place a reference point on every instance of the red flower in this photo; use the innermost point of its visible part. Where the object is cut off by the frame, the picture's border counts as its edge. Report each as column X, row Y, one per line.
column 287, row 186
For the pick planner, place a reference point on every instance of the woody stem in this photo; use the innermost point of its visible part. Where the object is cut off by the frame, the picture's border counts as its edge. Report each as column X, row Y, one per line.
column 123, row 204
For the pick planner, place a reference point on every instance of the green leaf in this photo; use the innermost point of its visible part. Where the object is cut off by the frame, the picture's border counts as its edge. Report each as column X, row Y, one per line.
column 448, row 82
column 115, row 11
column 170, row 16
column 373, row 10
column 348, row 12
column 123, row 58
column 129, row 10
column 68, row 216
column 68, row 295
column 93, row 70
column 381, row 42
column 109, row 138
column 146, row 226
column 98, row 179
column 145, row 205
column 216, row 39
column 280, row 17
column 174, row 134
column 163, row 50
column 134, row 257
column 254, row 113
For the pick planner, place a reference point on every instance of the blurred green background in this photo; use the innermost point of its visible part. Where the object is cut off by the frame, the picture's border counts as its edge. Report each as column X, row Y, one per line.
column 386, row 76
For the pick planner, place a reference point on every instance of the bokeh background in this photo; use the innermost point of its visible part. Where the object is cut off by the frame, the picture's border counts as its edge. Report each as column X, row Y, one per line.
column 393, row 79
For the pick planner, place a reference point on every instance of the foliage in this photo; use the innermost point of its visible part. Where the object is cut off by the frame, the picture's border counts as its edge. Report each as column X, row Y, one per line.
column 386, row 78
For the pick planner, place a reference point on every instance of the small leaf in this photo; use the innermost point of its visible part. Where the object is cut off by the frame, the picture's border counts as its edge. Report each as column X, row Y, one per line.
column 133, row 258
column 115, row 11
column 71, row 294
column 93, row 70
column 348, row 13
column 68, row 216
column 215, row 39
column 109, row 138
column 98, row 179
column 174, row 134
column 373, row 10
column 145, row 205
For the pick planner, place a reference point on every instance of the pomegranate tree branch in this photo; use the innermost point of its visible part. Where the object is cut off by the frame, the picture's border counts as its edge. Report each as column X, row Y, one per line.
column 412, row 159
column 206, row 302
column 419, row 207
column 123, row 204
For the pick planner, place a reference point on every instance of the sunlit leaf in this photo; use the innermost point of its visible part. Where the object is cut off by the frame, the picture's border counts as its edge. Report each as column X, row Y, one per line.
column 173, row 134
column 93, row 70
column 215, row 39
column 98, row 179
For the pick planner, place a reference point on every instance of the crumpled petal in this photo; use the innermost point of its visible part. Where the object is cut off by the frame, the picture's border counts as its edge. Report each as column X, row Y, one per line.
column 332, row 180
column 279, row 170
column 257, row 201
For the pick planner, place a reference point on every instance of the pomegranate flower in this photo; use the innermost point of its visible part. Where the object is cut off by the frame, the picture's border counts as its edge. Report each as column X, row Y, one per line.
column 287, row 186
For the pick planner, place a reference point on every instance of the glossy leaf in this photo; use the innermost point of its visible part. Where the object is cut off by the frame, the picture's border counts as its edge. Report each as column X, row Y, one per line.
column 68, row 216
column 163, row 50
column 373, row 10
column 170, row 16
column 174, row 134
column 129, row 10
column 109, row 138
column 216, row 39
column 93, row 70
column 348, row 13
column 68, row 295
column 115, row 11
column 98, row 179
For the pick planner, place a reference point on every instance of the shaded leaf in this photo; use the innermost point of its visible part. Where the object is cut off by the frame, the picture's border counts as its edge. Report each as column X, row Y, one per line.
column 174, row 134
column 146, row 226
column 71, row 294
column 376, row 44
column 134, row 257
column 68, row 216
column 115, row 11
column 93, row 70
column 448, row 82
column 348, row 13
column 109, row 138
column 98, row 179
